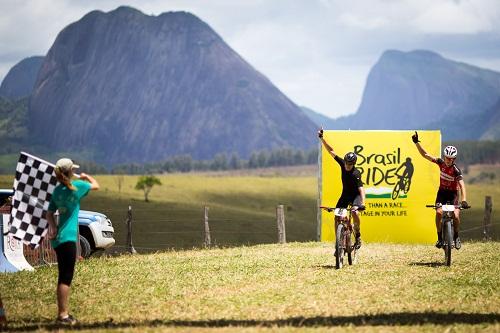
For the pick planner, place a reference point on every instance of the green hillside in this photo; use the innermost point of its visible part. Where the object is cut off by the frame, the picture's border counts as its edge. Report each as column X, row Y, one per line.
column 278, row 288
column 13, row 125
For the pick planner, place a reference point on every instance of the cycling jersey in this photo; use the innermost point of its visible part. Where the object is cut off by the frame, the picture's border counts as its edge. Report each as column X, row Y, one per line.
column 449, row 175
column 351, row 180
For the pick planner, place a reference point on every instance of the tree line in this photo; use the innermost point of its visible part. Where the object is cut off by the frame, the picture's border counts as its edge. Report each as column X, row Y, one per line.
column 220, row 162
column 470, row 152
column 476, row 152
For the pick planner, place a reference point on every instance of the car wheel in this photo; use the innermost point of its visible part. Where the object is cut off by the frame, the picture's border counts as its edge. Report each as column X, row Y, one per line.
column 85, row 250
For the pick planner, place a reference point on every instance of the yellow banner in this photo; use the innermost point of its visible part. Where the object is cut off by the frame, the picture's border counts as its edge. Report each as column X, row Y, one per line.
column 397, row 180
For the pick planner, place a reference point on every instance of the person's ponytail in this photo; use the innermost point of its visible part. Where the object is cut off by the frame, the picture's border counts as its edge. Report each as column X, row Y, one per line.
column 65, row 178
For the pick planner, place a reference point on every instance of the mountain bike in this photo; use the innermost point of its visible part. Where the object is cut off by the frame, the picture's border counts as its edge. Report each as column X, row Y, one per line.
column 403, row 184
column 447, row 229
column 344, row 235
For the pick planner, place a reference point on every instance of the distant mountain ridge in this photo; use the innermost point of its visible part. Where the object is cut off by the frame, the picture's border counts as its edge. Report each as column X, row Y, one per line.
column 421, row 89
column 123, row 87
column 137, row 88
column 20, row 79
column 318, row 118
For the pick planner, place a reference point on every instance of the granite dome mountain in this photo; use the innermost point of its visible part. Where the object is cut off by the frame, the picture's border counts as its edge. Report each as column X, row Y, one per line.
column 128, row 87
column 422, row 89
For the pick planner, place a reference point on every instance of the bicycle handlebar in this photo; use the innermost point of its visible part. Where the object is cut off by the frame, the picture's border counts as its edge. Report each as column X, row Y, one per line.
column 353, row 209
column 440, row 205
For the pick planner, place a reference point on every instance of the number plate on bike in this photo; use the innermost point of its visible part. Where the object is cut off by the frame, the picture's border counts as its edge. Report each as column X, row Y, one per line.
column 448, row 208
column 342, row 212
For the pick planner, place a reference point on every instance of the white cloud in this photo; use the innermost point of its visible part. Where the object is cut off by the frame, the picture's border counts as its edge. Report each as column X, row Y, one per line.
column 318, row 52
column 464, row 17
column 354, row 21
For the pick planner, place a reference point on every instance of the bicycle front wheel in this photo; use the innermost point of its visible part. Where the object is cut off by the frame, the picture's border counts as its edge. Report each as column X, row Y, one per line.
column 448, row 241
column 339, row 248
column 395, row 191
column 351, row 251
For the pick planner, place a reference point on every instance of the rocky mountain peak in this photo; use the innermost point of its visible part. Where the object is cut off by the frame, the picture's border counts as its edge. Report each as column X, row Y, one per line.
column 133, row 88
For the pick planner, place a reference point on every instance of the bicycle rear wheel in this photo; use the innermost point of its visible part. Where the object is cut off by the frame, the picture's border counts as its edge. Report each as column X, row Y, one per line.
column 448, row 241
column 339, row 249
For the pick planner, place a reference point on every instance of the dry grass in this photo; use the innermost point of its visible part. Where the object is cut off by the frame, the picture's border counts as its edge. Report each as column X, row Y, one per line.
column 271, row 288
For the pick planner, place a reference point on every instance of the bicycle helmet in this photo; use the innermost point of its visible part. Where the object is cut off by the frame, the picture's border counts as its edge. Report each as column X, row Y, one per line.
column 450, row 152
column 350, row 158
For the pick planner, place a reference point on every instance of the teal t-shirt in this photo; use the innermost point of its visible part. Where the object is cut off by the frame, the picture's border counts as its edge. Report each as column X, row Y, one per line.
column 68, row 203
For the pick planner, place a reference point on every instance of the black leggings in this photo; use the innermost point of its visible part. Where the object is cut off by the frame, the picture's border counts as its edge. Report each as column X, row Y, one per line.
column 66, row 257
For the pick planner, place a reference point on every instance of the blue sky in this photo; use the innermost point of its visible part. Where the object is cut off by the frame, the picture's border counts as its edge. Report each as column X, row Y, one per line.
column 318, row 52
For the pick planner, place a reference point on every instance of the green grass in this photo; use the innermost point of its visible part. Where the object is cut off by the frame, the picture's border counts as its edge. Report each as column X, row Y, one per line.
column 242, row 208
column 271, row 287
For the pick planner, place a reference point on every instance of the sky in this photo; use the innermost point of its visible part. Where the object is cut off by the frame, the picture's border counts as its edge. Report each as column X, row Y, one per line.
column 318, row 52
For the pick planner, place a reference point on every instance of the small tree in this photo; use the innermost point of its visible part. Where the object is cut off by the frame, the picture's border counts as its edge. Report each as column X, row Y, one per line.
column 146, row 184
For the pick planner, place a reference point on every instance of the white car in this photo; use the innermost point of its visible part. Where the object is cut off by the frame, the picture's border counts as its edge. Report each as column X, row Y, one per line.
column 96, row 232
column 96, row 229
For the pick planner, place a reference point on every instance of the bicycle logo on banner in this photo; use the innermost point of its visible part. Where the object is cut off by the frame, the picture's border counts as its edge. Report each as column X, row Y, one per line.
column 404, row 179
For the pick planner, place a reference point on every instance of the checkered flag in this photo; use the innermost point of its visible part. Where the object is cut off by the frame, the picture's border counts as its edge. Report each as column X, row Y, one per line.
column 35, row 181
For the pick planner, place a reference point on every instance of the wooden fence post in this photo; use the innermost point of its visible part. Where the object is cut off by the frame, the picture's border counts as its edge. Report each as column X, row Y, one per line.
column 130, row 247
column 280, row 220
column 207, row 241
column 488, row 207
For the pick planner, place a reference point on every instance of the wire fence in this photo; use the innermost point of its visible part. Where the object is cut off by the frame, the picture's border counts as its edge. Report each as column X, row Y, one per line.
column 189, row 232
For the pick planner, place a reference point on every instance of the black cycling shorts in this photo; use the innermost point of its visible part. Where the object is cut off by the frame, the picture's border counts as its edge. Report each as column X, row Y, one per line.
column 447, row 197
column 66, row 258
column 346, row 200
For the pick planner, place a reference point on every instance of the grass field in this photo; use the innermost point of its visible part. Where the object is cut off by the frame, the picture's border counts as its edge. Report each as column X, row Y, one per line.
column 285, row 288
column 242, row 207
column 266, row 287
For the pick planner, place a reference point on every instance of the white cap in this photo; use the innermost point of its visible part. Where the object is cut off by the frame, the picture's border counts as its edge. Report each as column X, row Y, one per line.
column 65, row 164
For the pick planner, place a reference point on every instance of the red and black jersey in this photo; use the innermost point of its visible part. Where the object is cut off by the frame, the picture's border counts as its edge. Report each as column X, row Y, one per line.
column 449, row 175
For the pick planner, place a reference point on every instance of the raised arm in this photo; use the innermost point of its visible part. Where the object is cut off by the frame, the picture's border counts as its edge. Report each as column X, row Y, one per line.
column 328, row 148
column 421, row 150
column 94, row 185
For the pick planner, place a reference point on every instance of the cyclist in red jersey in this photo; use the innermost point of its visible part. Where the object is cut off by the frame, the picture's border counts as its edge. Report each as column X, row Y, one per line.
column 450, row 183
